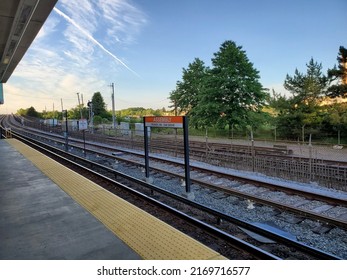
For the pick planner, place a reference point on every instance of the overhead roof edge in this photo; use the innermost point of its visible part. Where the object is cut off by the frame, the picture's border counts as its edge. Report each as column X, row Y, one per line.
column 20, row 22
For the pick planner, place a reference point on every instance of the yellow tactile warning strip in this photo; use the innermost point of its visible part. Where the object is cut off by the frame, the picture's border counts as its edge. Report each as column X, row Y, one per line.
column 145, row 234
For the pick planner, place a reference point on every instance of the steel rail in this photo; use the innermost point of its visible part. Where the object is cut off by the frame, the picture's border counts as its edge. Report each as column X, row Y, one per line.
column 300, row 212
column 235, row 242
column 221, row 216
column 223, row 147
column 257, row 182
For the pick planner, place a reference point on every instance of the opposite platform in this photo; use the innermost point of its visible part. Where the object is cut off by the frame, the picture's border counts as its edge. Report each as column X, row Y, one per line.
column 147, row 236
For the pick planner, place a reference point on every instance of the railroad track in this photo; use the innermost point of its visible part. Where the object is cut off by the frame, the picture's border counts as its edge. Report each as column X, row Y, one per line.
column 218, row 216
column 277, row 161
column 231, row 246
column 330, row 210
column 200, row 149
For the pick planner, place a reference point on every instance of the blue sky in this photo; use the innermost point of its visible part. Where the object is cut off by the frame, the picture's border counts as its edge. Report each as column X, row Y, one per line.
column 142, row 46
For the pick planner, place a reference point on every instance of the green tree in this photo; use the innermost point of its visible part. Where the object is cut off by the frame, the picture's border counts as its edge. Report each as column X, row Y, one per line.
column 97, row 120
column 22, row 112
column 187, row 92
column 307, row 88
column 31, row 112
column 231, row 90
column 301, row 113
column 51, row 114
column 74, row 113
column 339, row 75
column 139, row 112
column 278, row 103
column 99, row 106
column 335, row 119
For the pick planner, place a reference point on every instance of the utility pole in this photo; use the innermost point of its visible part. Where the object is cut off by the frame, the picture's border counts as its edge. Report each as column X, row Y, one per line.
column 91, row 115
column 66, row 130
column 113, row 108
column 53, row 115
column 79, row 103
column 62, row 110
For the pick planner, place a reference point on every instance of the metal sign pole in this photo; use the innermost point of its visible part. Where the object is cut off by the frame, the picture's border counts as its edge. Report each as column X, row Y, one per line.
column 186, row 153
column 84, row 141
column 66, row 131
column 146, row 148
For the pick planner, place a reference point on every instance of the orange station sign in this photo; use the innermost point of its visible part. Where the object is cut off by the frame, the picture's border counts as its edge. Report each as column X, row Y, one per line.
column 167, row 121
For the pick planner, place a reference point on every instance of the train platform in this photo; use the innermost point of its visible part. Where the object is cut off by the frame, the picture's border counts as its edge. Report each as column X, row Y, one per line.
column 50, row 212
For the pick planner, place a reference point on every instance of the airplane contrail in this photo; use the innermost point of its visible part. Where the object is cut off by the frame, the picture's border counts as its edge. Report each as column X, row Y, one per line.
column 91, row 38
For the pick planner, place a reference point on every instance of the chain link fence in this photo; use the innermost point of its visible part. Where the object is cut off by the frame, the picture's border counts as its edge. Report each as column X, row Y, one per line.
column 302, row 161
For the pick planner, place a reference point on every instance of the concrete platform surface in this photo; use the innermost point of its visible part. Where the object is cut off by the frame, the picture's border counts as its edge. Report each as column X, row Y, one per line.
column 38, row 220
column 148, row 236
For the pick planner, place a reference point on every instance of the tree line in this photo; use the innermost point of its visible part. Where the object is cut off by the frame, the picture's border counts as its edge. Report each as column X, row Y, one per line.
column 229, row 95
column 100, row 112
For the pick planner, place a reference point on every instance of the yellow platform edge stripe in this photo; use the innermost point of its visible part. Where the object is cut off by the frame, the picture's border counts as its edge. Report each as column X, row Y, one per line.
column 150, row 237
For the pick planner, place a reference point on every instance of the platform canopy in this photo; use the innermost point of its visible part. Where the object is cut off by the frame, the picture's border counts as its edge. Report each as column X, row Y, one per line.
column 20, row 22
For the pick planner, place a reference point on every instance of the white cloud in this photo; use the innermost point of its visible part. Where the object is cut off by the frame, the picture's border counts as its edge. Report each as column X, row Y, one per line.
column 48, row 28
column 85, row 35
column 64, row 60
column 82, row 11
column 124, row 20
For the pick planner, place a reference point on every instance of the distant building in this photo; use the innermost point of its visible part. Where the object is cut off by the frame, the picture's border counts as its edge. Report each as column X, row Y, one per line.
column 51, row 122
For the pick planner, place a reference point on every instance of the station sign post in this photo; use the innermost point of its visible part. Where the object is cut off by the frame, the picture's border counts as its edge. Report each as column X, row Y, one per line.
column 83, row 125
column 66, row 133
column 169, row 122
